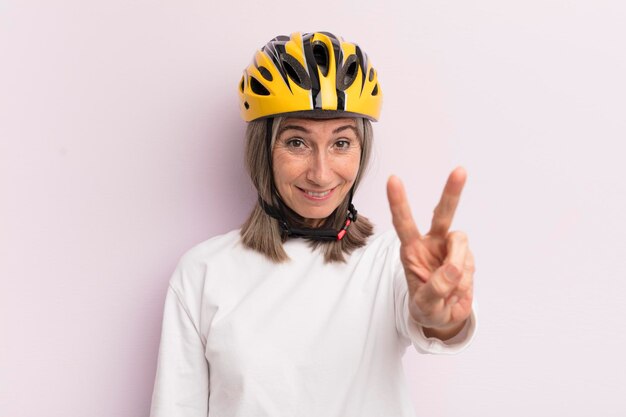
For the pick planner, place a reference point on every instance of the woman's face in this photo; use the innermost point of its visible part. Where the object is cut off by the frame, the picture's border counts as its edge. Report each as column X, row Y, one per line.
column 315, row 164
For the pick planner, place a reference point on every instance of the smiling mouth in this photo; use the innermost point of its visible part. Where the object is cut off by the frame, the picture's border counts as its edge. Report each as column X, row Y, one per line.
column 316, row 195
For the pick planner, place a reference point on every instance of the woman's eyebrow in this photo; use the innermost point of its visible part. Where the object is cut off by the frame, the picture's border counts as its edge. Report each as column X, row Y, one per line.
column 293, row 127
column 342, row 128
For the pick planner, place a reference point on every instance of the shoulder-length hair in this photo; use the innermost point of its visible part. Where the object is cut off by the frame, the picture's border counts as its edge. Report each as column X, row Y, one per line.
column 262, row 232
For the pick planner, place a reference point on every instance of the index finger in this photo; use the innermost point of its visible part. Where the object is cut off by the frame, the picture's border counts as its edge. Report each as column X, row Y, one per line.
column 444, row 212
column 401, row 212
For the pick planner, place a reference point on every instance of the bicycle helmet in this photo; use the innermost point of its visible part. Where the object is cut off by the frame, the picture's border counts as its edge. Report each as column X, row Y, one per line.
column 316, row 75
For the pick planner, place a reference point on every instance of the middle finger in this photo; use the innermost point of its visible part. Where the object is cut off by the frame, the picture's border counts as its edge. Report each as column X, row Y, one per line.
column 444, row 212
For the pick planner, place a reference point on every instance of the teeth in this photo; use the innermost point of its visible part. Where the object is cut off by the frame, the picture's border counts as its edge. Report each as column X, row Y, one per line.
column 318, row 195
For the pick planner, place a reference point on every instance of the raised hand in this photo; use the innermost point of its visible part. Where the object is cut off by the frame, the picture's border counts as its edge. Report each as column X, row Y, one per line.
column 439, row 266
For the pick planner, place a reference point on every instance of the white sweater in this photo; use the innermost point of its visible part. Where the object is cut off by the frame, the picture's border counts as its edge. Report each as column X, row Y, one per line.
column 243, row 336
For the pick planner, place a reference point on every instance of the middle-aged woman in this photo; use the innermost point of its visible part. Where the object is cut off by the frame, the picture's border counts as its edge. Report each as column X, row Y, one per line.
column 303, row 311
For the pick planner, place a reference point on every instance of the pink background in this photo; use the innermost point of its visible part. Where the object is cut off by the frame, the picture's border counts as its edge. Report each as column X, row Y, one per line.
column 121, row 147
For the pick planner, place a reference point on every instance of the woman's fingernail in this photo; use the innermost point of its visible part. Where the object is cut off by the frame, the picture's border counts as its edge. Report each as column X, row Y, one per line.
column 451, row 272
column 453, row 299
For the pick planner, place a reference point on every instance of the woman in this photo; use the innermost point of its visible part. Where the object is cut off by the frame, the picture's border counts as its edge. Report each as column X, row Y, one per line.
column 303, row 312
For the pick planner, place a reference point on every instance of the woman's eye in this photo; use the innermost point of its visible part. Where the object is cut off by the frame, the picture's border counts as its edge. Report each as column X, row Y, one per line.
column 295, row 143
column 342, row 144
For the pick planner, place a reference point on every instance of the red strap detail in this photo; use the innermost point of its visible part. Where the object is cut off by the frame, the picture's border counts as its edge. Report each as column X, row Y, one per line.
column 341, row 234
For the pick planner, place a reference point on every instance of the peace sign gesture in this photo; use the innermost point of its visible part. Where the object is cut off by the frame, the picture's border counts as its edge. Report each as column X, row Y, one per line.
column 439, row 266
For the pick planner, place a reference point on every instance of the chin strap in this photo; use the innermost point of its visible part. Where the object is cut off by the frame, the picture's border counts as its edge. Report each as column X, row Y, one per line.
column 310, row 233
column 279, row 213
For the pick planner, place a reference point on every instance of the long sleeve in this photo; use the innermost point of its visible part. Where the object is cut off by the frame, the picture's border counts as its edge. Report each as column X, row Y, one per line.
column 181, row 387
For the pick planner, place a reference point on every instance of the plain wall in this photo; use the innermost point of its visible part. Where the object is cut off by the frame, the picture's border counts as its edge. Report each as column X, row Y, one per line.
column 121, row 148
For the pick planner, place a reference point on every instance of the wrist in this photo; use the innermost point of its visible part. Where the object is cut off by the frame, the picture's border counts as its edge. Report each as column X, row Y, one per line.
column 445, row 332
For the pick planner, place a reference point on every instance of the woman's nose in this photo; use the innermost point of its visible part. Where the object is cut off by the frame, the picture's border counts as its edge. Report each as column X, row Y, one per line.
column 319, row 170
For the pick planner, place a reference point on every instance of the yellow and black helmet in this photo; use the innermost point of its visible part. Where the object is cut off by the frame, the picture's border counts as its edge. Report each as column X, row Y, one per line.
column 313, row 75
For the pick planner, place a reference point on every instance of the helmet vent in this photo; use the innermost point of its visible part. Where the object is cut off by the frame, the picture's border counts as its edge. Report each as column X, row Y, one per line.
column 347, row 74
column 321, row 56
column 258, row 88
column 371, row 76
column 351, row 71
column 296, row 71
column 375, row 90
column 241, row 84
column 266, row 73
column 246, row 105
